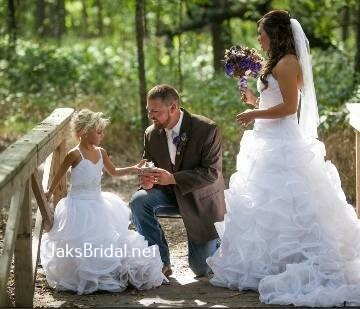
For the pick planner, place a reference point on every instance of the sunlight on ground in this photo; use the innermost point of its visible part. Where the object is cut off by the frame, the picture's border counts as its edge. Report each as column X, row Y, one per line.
column 199, row 302
column 185, row 278
column 157, row 300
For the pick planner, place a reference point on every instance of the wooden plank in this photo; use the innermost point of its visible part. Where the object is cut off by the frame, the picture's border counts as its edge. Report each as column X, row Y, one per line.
column 45, row 149
column 58, row 157
column 36, row 243
column 24, row 290
column 6, row 302
column 357, row 154
column 18, row 161
column 41, row 201
column 39, row 219
column 354, row 120
column 47, row 172
column 11, row 231
column 58, row 116
column 354, row 109
column 16, row 165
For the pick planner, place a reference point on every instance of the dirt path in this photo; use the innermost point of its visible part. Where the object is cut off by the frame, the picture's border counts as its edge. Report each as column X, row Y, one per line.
column 183, row 290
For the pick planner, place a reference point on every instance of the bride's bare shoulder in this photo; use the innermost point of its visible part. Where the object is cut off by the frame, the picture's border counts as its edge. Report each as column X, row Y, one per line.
column 287, row 65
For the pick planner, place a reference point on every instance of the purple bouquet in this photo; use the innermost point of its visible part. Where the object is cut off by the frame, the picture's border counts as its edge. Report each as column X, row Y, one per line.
column 242, row 62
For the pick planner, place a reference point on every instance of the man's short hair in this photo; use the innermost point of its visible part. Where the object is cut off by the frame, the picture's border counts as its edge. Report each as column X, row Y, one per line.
column 165, row 93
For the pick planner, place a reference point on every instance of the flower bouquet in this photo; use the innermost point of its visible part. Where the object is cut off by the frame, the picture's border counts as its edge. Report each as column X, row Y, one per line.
column 242, row 62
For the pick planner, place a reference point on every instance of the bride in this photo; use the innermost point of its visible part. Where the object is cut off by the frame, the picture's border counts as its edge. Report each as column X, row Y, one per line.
column 289, row 232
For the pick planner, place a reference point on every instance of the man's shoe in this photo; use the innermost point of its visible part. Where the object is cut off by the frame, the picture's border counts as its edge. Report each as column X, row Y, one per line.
column 167, row 271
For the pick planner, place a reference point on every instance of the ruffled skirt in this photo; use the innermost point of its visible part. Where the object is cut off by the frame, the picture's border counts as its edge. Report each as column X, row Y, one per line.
column 90, row 248
column 288, row 232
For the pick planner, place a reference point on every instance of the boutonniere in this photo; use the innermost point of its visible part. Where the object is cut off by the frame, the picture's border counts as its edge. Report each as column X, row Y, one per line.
column 180, row 141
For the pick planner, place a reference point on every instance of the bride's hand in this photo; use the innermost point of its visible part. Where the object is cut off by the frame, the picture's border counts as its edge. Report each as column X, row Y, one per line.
column 245, row 118
column 248, row 97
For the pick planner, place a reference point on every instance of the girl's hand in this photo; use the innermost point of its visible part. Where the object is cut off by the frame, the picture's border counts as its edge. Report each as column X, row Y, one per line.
column 141, row 163
column 245, row 118
column 137, row 168
column 248, row 97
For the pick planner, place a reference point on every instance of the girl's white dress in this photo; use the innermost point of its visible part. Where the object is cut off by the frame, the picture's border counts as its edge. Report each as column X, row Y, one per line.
column 288, row 232
column 89, row 247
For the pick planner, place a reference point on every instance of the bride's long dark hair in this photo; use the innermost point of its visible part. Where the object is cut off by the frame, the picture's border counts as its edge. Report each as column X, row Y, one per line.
column 277, row 26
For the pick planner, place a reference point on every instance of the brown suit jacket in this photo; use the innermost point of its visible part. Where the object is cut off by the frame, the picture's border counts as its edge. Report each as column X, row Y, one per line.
column 199, row 185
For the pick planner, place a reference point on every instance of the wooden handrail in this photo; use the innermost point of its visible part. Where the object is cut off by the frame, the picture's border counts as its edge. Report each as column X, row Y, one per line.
column 19, row 177
column 354, row 120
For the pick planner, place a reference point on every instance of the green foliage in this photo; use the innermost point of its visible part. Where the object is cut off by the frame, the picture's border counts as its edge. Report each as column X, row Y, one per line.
column 36, row 79
column 94, row 64
column 335, row 84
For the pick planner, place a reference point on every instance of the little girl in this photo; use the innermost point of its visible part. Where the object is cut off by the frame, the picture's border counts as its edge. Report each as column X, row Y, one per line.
column 89, row 247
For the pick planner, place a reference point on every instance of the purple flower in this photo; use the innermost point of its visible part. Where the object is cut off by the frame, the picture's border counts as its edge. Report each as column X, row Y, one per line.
column 176, row 140
column 180, row 141
column 242, row 62
column 229, row 68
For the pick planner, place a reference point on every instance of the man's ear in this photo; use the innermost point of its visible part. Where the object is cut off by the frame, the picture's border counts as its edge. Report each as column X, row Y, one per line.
column 174, row 106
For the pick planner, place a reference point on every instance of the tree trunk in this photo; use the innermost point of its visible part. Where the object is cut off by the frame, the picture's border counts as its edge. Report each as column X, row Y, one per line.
column 157, row 45
column 180, row 48
column 40, row 17
column 220, row 36
column 146, row 28
column 84, row 15
column 139, row 24
column 11, row 23
column 60, row 19
column 99, row 18
column 345, row 21
column 357, row 55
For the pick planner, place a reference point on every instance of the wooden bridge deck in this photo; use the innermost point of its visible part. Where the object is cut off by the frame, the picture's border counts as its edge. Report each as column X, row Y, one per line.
column 183, row 291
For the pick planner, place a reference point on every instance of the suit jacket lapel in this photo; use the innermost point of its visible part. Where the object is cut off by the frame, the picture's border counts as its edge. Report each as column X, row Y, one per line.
column 185, row 131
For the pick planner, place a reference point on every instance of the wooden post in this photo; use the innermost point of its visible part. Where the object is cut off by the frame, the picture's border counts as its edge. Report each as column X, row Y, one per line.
column 357, row 151
column 9, row 245
column 23, row 254
column 18, row 170
column 41, row 201
column 354, row 120
column 57, row 159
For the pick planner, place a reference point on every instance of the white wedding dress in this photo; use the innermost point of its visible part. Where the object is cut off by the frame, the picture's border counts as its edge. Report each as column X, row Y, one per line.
column 87, row 219
column 288, row 232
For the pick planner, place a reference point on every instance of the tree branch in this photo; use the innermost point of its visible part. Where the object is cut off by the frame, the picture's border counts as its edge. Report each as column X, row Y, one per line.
column 246, row 12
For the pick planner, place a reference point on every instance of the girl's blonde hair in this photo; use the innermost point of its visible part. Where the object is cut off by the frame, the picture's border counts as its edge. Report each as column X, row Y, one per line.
column 85, row 120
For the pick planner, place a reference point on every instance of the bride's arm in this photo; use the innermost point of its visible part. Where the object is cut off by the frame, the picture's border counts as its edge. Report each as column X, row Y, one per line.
column 286, row 72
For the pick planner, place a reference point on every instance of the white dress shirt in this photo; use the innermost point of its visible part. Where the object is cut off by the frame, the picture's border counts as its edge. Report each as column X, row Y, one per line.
column 170, row 134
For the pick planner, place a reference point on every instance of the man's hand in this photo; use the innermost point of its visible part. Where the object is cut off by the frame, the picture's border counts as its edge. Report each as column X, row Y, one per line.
column 161, row 177
column 146, row 182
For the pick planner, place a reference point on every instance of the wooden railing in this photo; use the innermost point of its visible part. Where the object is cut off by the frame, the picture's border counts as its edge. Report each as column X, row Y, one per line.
column 19, row 177
column 354, row 109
